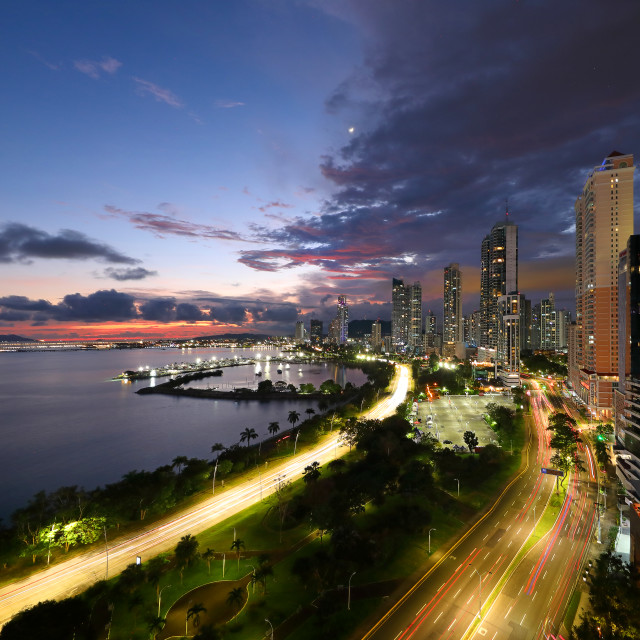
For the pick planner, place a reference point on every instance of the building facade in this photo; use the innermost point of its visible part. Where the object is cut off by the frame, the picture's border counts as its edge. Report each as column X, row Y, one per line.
column 342, row 316
column 315, row 332
column 498, row 277
column 452, row 326
column 508, row 352
column 300, row 332
column 376, row 336
column 627, row 395
column 415, row 319
column 604, row 221
column 400, row 314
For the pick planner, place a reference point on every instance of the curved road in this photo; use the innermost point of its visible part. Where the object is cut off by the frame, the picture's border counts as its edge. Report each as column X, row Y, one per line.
column 74, row 576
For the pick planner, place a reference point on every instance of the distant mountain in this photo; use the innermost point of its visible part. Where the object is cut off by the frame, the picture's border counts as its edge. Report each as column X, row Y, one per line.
column 14, row 338
column 235, row 336
column 360, row 328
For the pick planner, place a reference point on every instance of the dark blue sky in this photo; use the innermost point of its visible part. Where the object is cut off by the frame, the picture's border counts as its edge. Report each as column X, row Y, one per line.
column 231, row 165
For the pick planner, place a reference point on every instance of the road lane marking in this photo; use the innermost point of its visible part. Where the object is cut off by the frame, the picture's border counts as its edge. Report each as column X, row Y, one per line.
column 457, row 592
column 534, row 596
column 545, row 573
column 510, row 541
column 488, row 554
column 399, row 634
column 421, row 608
column 438, row 618
column 519, row 530
column 471, row 598
column 523, row 617
column 505, row 513
column 508, row 612
column 451, row 625
column 521, row 588
column 442, row 585
column 483, row 539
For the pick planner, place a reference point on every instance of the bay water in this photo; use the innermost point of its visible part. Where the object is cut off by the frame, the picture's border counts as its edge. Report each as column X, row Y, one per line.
column 64, row 421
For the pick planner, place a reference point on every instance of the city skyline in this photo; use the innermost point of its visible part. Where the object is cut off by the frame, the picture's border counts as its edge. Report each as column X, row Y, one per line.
column 235, row 168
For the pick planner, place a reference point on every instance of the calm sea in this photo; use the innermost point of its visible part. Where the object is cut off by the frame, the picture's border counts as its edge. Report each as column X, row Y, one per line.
column 64, row 422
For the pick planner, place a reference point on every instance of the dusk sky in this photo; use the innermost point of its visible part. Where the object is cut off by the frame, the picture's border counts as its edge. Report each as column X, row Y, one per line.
column 184, row 169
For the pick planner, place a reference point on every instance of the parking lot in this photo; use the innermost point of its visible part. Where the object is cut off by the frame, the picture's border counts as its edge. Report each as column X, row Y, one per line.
column 453, row 415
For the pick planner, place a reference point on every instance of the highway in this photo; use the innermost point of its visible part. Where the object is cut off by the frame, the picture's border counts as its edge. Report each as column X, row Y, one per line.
column 482, row 588
column 74, row 576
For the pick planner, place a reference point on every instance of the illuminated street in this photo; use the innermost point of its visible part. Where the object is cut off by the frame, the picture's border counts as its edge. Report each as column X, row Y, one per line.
column 464, row 594
column 73, row 576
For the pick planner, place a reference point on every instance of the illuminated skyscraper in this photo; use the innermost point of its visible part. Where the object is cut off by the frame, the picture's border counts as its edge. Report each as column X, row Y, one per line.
column 498, row 277
column 415, row 318
column 452, row 319
column 376, row 336
column 316, row 331
column 343, row 319
column 400, row 314
column 604, row 221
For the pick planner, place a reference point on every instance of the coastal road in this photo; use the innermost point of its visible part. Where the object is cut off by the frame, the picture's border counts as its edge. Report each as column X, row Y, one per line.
column 482, row 588
column 74, row 576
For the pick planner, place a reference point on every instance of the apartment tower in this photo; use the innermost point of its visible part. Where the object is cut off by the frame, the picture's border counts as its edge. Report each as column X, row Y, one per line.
column 452, row 319
column 498, row 277
column 604, row 222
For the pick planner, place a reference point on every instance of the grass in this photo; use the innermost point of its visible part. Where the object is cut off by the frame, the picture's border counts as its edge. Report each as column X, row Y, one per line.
column 572, row 609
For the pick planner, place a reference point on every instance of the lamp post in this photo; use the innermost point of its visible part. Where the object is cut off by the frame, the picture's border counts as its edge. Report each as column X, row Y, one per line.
column 106, row 551
column 458, row 481
column 349, row 592
column 480, row 589
column 160, row 597
column 295, row 446
column 215, row 470
column 430, row 530
column 270, row 625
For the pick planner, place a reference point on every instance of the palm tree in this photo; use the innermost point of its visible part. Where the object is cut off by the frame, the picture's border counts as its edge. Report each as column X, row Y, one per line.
column 179, row 461
column 156, row 624
column 217, row 448
column 248, row 434
column 155, row 569
column 311, row 473
column 310, row 412
column 236, row 545
column 264, row 571
column 273, row 428
column 293, row 417
column 236, row 599
column 194, row 612
column 186, row 551
column 208, row 555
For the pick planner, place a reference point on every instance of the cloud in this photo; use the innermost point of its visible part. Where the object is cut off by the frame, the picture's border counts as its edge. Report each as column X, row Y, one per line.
column 165, row 225
column 134, row 273
column 144, row 87
column 275, row 204
column 228, row 104
column 20, row 243
column 458, row 107
column 94, row 69
column 46, row 63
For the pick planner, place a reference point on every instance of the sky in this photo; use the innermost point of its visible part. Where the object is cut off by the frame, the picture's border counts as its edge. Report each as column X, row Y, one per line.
column 197, row 168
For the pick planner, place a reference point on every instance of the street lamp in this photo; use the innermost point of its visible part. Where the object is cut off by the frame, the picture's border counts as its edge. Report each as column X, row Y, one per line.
column 270, row 626
column 458, row 481
column 430, row 530
column 349, row 592
column 166, row 586
column 480, row 589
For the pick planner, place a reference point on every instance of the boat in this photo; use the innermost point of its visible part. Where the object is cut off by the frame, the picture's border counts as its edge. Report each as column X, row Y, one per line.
column 279, row 370
column 258, row 373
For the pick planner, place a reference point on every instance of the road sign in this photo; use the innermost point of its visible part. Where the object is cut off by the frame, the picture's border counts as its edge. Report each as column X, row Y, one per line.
column 551, row 472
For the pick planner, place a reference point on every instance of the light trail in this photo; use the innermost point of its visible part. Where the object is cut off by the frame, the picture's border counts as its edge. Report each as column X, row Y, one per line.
column 84, row 570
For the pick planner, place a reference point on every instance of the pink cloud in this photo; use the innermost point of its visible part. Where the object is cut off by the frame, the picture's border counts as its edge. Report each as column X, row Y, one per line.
column 144, row 87
column 93, row 68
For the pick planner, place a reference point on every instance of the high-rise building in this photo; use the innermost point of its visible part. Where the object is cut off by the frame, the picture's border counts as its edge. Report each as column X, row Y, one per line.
column 415, row 318
column 452, row 319
column 376, row 336
column 400, row 314
column 299, row 336
column 316, row 331
column 525, row 323
column 627, row 396
column 604, row 221
column 334, row 331
column 472, row 336
column 430, row 329
column 535, row 326
column 498, row 277
column 508, row 352
column 343, row 319
column 563, row 320
column 406, row 316
column 548, row 323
